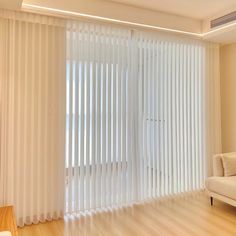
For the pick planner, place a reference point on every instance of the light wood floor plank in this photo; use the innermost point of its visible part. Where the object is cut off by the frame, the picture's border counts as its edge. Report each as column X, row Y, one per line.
column 189, row 215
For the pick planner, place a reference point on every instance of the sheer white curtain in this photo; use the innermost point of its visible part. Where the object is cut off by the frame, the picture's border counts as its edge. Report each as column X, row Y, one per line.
column 99, row 152
column 32, row 116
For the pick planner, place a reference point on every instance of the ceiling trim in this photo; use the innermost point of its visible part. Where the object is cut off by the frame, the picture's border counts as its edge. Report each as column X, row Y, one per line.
column 78, row 14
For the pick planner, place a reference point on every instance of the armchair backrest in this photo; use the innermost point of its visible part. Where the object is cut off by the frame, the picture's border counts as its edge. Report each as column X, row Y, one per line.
column 218, row 169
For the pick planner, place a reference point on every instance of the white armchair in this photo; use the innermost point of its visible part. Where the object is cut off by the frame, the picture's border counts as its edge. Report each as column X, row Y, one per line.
column 220, row 186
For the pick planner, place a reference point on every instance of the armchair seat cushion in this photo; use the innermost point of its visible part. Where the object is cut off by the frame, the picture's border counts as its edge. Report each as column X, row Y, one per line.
column 225, row 186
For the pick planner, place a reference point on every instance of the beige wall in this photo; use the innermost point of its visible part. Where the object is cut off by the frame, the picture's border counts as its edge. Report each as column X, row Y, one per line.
column 10, row 4
column 228, row 97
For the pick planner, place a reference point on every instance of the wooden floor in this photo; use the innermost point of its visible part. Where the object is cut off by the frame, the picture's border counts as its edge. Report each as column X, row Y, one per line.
column 186, row 215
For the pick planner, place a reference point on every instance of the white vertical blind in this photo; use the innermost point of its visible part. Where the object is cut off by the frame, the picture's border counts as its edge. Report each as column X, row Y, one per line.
column 181, row 113
column 142, row 115
column 139, row 115
column 99, row 158
column 32, row 118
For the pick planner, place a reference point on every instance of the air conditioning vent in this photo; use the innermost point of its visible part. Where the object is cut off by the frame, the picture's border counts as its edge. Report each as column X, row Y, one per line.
column 223, row 19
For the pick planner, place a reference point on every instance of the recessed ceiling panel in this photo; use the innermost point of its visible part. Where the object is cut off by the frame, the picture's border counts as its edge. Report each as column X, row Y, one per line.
column 199, row 9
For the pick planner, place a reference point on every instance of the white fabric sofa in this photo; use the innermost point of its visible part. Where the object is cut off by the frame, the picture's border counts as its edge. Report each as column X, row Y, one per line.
column 221, row 187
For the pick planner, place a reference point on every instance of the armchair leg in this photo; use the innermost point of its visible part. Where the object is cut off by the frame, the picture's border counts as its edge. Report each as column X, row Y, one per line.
column 211, row 201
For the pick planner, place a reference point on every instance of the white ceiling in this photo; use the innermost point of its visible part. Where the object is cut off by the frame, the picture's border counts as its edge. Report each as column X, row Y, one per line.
column 185, row 15
column 199, row 9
